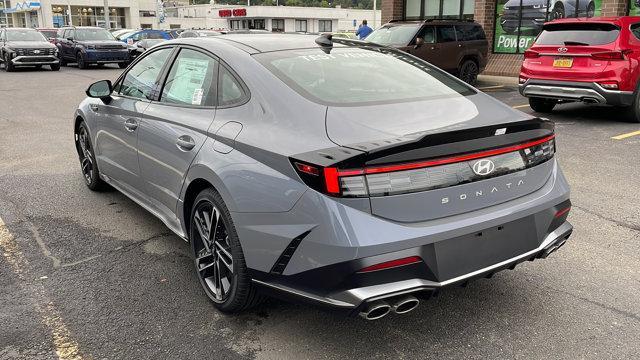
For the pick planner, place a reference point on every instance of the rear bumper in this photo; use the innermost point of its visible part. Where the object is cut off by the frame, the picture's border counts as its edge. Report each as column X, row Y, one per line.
column 575, row 91
column 352, row 299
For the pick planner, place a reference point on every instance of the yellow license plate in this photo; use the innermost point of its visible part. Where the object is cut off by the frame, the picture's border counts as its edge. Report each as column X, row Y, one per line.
column 563, row 62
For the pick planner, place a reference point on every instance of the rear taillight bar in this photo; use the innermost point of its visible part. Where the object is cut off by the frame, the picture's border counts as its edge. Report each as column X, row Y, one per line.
column 611, row 55
column 423, row 175
column 530, row 54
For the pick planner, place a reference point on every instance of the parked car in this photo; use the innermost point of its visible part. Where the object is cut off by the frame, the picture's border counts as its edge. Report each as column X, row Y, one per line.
column 50, row 34
column 175, row 32
column 459, row 47
column 198, row 33
column 592, row 61
column 141, row 46
column 346, row 35
column 21, row 47
column 135, row 36
column 117, row 32
column 399, row 179
column 532, row 14
column 90, row 45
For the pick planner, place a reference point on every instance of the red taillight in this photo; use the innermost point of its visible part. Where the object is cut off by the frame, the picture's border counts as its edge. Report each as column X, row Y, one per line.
column 392, row 264
column 308, row 169
column 530, row 54
column 609, row 55
column 331, row 180
column 562, row 212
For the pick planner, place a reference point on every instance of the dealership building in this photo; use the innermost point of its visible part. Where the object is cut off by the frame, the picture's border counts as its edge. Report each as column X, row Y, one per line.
column 510, row 25
column 177, row 14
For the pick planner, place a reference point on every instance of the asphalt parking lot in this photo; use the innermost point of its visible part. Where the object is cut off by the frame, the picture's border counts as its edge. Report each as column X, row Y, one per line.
column 93, row 275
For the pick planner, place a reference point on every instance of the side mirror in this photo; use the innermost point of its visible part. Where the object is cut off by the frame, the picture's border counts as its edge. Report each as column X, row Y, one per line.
column 70, row 39
column 101, row 89
column 419, row 42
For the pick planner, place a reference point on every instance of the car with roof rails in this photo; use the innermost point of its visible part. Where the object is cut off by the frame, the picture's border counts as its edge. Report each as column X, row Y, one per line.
column 85, row 46
column 593, row 60
column 459, row 47
column 400, row 180
column 133, row 37
column 21, row 47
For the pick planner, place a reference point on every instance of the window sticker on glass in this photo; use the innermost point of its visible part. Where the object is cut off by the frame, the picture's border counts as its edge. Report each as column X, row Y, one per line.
column 188, row 83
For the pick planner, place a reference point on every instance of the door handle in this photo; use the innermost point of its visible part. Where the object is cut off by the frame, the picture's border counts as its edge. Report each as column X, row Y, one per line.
column 185, row 143
column 459, row 45
column 433, row 48
column 131, row 125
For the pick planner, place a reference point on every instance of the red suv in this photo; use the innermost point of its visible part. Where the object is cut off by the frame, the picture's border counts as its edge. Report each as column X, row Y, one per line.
column 595, row 60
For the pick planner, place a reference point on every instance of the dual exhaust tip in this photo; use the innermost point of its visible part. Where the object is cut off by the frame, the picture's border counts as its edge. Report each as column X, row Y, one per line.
column 381, row 308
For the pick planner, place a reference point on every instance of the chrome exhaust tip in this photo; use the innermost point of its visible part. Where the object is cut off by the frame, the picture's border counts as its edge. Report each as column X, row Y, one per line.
column 405, row 304
column 376, row 310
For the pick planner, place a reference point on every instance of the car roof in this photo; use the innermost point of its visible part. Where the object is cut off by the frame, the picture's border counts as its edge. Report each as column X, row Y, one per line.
column 432, row 21
column 257, row 43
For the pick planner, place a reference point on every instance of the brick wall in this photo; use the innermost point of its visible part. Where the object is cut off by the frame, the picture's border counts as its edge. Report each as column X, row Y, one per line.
column 614, row 7
column 392, row 10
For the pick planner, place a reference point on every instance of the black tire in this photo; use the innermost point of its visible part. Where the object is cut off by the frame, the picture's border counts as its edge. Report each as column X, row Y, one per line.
column 123, row 65
column 632, row 113
column 82, row 64
column 63, row 61
column 88, row 164
column 55, row 67
column 8, row 65
column 468, row 71
column 542, row 105
column 591, row 9
column 557, row 12
column 241, row 293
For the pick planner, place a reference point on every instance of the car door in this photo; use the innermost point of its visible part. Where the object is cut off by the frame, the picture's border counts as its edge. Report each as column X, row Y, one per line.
column 175, row 126
column 447, row 48
column 68, row 44
column 428, row 50
column 119, row 120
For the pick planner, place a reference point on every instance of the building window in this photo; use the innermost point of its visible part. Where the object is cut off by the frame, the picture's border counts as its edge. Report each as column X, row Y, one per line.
column 516, row 29
column 301, row 25
column 324, row 25
column 438, row 9
column 258, row 24
column 146, row 13
column 277, row 25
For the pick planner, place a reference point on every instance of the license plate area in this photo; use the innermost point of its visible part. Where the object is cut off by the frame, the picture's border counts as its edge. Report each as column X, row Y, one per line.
column 563, row 62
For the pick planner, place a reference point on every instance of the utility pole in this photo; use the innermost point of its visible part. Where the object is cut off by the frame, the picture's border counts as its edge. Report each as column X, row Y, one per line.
column 374, row 14
column 107, row 24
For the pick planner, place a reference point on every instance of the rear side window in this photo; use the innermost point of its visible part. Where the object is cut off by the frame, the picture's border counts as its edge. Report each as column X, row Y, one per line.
column 470, row 32
column 446, row 34
column 230, row 92
column 584, row 34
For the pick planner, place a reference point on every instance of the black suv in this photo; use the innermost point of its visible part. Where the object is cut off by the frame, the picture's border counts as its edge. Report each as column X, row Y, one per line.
column 90, row 45
column 459, row 47
column 26, row 47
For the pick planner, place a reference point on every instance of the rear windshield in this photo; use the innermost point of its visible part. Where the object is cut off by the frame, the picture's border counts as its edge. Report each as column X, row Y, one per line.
column 93, row 34
column 360, row 76
column 578, row 34
column 394, row 35
column 24, row 35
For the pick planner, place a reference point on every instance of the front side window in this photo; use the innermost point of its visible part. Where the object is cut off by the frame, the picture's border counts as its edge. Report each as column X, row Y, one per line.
column 428, row 34
column 192, row 80
column 230, row 90
column 324, row 26
column 301, row 25
column 24, row 35
column 141, row 78
column 361, row 76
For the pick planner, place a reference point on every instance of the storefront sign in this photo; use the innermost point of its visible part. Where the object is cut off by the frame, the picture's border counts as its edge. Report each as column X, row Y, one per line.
column 518, row 22
column 234, row 12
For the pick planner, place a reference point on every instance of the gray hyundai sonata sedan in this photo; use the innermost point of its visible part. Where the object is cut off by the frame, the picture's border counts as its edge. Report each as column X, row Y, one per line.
column 334, row 171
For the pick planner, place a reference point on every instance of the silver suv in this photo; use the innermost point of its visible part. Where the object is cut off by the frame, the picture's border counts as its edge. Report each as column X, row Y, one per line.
column 335, row 171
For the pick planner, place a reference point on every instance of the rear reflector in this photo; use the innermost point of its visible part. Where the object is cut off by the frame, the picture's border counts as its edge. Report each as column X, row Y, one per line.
column 562, row 212
column 308, row 169
column 609, row 85
column 392, row 264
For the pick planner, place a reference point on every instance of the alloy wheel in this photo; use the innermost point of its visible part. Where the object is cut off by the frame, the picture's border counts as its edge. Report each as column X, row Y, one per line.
column 214, row 260
column 469, row 72
column 86, row 157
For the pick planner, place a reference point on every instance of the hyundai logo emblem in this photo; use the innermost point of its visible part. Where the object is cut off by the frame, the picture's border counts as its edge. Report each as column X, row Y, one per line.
column 484, row 167
column 562, row 50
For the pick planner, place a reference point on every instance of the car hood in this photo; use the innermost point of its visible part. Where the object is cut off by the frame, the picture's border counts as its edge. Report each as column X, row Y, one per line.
column 100, row 42
column 30, row 44
column 369, row 127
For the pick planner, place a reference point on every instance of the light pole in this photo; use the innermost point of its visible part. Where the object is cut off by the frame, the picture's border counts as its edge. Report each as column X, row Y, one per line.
column 107, row 24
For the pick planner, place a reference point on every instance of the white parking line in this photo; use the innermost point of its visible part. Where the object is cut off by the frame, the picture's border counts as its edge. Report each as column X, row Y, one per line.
column 491, row 87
